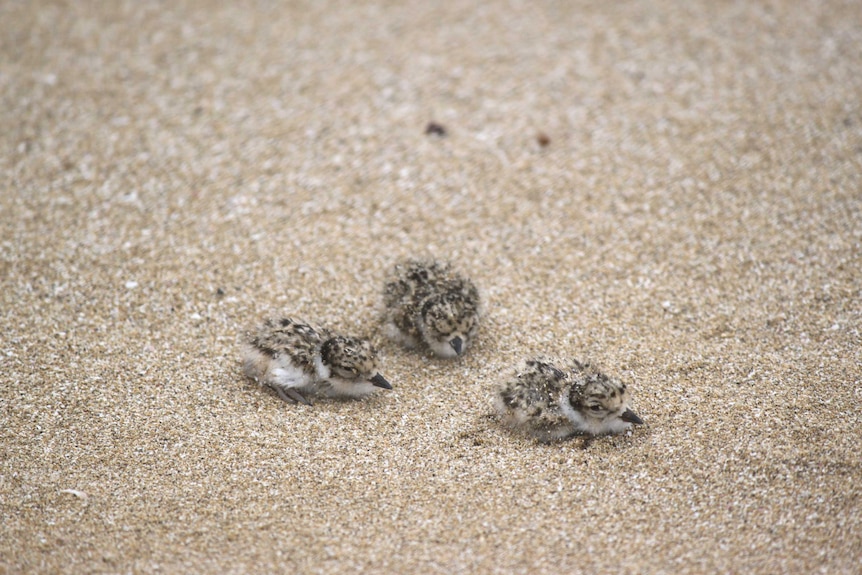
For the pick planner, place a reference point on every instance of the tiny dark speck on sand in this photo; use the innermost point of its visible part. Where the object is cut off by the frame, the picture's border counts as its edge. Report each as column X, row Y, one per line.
column 435, row 129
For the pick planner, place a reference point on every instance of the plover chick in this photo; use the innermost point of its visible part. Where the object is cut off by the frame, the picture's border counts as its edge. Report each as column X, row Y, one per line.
column 296, row 360
column 426, row 302
column 550, row 403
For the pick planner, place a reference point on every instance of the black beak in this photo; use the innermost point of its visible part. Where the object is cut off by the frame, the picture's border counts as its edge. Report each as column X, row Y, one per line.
column 631, row 417
column 457, row 344
column 380, row 381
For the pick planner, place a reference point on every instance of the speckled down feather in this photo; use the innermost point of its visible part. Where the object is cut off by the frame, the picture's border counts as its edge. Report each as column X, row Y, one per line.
column 296, row 359
column 426, row 302
column 549, row 403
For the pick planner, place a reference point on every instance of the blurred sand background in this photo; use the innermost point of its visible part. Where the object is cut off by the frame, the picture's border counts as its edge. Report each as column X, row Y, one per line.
column 172, row 172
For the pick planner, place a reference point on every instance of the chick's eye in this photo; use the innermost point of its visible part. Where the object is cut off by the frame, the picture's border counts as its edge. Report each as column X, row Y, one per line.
column 596, row 407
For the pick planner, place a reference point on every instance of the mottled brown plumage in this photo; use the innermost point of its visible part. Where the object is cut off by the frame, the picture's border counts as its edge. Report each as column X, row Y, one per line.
column 549, row 403
column 426, row 302
column 296, row 360
column 287, row 336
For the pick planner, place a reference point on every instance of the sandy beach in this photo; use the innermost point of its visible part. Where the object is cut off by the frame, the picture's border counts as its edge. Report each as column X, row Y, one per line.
column 674, row 193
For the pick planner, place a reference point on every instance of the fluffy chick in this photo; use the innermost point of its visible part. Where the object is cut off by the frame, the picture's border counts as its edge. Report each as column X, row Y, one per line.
column 296, row 359
column 426, row 302
column 549, row 403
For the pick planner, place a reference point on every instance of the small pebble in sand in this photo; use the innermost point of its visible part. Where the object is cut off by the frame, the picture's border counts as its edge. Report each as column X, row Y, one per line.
column 433, row 128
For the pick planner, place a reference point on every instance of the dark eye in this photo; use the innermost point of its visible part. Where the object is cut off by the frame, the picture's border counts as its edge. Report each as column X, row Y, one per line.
column 349, row 372
column 596, row 407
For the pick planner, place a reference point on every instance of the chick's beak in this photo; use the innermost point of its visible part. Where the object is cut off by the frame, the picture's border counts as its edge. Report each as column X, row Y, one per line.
column 457, row 344
column 380, row 381
column 631, row 417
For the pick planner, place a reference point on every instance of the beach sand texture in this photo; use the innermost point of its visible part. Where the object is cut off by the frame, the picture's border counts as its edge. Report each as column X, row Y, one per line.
column 671, row 191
